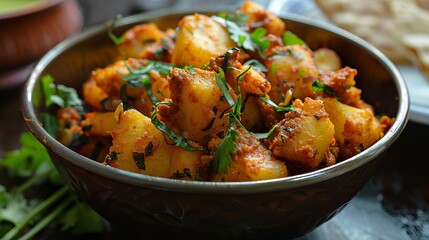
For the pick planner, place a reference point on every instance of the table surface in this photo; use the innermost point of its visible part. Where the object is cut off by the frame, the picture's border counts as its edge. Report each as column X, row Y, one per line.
column 393, row 205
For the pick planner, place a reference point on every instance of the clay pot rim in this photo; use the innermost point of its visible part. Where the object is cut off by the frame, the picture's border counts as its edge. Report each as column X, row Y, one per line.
column 29, row 9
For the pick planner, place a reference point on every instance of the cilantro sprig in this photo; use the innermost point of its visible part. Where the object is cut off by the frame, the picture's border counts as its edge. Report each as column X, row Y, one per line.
column 290, row 38
column 32, row 162
column 278, row 108
column 222, row 156
column 318, row 86
column 254, row 41
column 112, row 36
column 141, row 77
column 177, row 139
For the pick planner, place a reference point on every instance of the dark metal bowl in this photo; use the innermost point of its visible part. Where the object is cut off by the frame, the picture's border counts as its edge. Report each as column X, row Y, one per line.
column 158, row 207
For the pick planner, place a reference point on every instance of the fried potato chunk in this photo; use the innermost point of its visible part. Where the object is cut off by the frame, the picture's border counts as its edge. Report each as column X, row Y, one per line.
column 138, row 146
column 147, row 41
column 355, row 129
column 99, row 123
column 304, row 136
column 251, row 162
column 93, row 94
column 259, row 17
column 326, row 60
column 200, row 38
column 198, row 105
column 342, row 82
column 291, row 67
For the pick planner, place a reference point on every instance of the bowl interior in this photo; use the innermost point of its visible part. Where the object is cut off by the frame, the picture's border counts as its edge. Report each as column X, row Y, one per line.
column 71, row 62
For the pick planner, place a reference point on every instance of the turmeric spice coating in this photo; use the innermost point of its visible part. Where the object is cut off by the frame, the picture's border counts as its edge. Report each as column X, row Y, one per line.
column 221, row 98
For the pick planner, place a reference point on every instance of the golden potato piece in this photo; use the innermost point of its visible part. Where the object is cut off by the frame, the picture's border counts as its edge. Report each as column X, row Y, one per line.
column 93, row 95
column 260, row 17
column 326, row 60
column 199, row 105
column 200, row 38
column 99, row 123
column 342, row 82
column 304, row 136
column 147, row 41
column 138, row 146
column 252, row 162
column 291, row 67
column 355, row 129
column 109, row 79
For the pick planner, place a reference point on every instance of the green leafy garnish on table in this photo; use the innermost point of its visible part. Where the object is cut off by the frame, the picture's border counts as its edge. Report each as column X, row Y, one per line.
column 31, row 162
column 32, row 165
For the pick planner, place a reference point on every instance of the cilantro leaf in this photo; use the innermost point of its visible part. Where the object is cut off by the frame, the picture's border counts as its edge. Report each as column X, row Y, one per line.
column 221, row 82
column 81, row 219
column 13, row 207
column 257, row 65
column 237, row 34
column 318, row 86
column 31, row 159
column 59, row 94
column 257, row 37
column 265, row 135
column 177, row 139
column 239, row 19
column 277, row 107
column 222, row 157
column 113, row 37
column 141, row 77
column 290, row 38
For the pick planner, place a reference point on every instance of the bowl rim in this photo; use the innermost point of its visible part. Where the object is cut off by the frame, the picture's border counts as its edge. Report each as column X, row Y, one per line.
column 234, row 188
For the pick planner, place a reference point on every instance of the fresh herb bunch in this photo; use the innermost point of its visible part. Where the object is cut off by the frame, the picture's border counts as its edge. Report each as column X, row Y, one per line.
column 32, row 163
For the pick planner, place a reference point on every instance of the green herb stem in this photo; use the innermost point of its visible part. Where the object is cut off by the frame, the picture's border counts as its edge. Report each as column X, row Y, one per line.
column 40, row 208
column 31, row 181
column 48, row 219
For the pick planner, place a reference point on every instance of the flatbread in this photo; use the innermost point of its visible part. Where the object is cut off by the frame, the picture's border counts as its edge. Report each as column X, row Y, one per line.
column 396, row 27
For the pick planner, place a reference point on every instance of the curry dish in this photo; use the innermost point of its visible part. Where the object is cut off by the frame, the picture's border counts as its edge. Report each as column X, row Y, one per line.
column 234, row 97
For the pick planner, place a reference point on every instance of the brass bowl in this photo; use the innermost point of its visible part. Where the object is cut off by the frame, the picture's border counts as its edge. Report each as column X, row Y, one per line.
column 158, row 208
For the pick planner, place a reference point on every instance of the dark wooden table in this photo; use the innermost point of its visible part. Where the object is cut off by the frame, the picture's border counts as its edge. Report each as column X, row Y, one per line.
column 393, row 205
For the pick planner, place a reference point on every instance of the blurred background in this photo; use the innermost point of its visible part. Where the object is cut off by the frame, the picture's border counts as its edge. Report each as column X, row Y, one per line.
column 398, row 28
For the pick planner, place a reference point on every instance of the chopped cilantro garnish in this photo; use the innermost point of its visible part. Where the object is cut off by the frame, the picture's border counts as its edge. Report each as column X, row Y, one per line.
column 33, row 163
column 277, row 107
column 59, row 94
column 237, row 18
column 257, row 65
column 290, row 38
column 265, row 135
column 257, row 37
column 318, row 86
column 177, row 139
column 222, row 156
column 113, row 37
column 238, row 35
column 141, row 77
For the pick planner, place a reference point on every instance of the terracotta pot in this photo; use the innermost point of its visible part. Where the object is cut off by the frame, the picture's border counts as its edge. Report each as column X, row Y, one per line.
column 29, row 32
